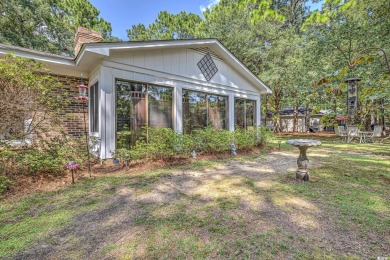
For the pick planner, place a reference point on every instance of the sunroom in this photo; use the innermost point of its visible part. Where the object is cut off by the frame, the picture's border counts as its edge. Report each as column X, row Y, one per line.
column 182, row 84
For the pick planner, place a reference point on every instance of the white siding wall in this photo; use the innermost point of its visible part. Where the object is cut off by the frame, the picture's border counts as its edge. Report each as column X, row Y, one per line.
column 176, row 68
column 183, row 62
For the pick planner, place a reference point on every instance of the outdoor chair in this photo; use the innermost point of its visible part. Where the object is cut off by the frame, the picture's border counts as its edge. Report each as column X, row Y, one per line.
column 340, row 131
column 385, row 138
column 353, row 132
column 377, row 134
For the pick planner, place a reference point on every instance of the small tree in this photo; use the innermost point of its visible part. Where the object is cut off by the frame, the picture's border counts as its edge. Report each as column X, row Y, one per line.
column 29, row 98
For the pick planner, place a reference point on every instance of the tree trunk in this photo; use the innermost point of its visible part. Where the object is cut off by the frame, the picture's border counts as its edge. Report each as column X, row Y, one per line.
column 277, row 124
column 295, row 119
column 266, row 109
column 277, row 94
column 307, row 119
column 335, row 111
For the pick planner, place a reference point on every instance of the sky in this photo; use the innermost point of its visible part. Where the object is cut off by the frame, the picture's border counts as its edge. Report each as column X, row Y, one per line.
column 122, row 14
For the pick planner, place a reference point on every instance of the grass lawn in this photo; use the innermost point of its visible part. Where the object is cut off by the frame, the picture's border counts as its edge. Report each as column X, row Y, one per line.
column 240, row 208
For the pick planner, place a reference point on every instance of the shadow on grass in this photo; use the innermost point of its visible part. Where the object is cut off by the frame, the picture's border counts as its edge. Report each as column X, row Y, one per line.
column 247, row 207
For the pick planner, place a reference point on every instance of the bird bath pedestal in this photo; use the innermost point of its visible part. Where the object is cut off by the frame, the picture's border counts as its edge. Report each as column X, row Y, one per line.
column 303, row 145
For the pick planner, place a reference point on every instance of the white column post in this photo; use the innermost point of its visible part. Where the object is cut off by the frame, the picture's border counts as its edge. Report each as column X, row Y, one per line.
column 102, row 114
column 178, row 109
column 108, row 127
column 258, row 111
column 231, row 111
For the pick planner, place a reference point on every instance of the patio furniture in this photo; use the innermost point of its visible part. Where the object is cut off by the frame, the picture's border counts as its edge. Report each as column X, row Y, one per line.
column 377, row 134
column 364, row 135
column 302, row 162
column 353, row 132
column 340, row 131
column 385, row 138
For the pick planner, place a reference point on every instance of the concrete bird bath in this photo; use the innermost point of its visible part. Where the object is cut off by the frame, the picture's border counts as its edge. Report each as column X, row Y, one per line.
column 303, row 161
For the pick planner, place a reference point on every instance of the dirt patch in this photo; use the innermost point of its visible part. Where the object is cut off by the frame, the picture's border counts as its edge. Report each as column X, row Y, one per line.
column 23, row 185
column 318, row 134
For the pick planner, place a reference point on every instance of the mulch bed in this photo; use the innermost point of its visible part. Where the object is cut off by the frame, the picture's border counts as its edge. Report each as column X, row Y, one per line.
column 27, row 184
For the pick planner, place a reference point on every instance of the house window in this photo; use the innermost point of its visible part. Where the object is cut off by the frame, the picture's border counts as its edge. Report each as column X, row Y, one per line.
column 204, row 110
column 245, row 113
column 94, row 107
column 139, row 105
column 18, row 133
column 160, row 105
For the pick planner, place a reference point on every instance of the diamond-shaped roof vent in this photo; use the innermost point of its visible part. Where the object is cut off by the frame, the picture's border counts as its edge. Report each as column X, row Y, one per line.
column 207, row 67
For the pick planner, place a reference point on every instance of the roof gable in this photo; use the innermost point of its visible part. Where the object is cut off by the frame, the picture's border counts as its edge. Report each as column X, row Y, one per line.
column 211, row 46
column 92, row 53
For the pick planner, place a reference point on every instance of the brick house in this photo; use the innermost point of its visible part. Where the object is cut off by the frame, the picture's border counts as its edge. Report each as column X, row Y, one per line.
column 178, row 84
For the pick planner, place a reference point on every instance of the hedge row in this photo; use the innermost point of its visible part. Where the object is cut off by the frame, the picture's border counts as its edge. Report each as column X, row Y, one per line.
column 164, row 142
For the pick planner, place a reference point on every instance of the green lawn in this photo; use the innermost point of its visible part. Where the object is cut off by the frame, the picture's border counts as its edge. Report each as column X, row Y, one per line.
column 240, row 208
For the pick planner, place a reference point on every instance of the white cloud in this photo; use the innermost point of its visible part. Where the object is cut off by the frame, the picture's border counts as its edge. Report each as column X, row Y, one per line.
column 211, row 4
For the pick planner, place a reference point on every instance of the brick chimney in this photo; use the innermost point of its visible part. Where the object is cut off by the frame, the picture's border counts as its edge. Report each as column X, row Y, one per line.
column 85, row 35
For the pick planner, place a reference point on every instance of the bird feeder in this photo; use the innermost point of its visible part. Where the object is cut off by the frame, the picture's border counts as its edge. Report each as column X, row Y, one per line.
column 83, row 97
column 82, row 92
column 352, row 98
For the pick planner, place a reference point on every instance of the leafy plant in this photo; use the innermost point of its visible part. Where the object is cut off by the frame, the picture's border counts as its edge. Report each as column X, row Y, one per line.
column 4, row 184
column 165, row 142
column 47, row 156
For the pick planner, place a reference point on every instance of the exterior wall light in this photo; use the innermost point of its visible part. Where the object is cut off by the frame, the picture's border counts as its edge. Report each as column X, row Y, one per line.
column 115, row 161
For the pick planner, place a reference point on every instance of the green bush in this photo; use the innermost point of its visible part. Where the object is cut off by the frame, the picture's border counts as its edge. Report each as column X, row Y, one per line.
column 4, row 184
column 47, row 156
column 165, row 143
column 266, row 136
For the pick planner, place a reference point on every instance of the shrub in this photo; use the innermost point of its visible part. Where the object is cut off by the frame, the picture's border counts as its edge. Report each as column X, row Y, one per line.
column 4, row 184
column 46, row 156
column 28, row 104
column 165, row 143
column 266, row 136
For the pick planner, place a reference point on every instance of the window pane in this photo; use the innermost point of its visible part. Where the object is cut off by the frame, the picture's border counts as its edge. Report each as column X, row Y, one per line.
column 217, row 111
column 201, row 110
column 250, row 113
column 133, row 113
column 130, row 112
column 160, row 106
column 94, row 107
column 194, row 112
column 239, row 113
column 245, row 113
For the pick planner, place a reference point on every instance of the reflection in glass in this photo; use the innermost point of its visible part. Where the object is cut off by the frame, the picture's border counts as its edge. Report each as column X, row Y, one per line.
column 94, row 107
column 245, row 113
column 139, row 105
column 160, row 106
column 202, row 110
